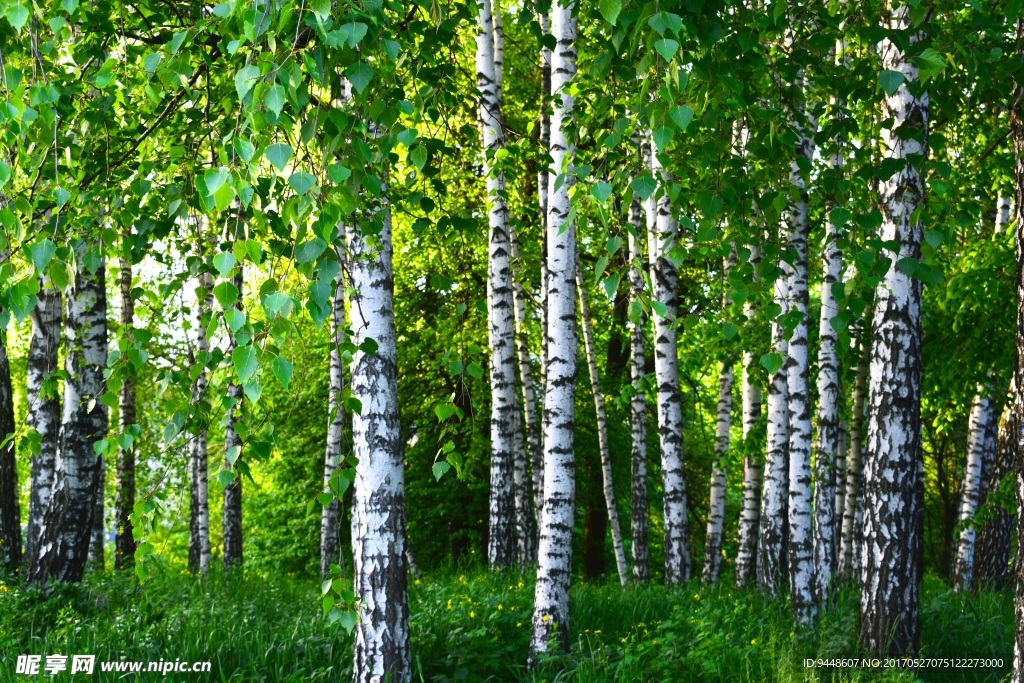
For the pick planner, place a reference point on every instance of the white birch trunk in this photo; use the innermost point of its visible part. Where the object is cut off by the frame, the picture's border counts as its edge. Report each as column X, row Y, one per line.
column 231, row 515
column 199, row 515
column 849, row 555
column 661, row 239
column 329, row 528
column 716, row 504
column 602, row 433
column 979, row 424
column 44, row 410
column 64, row 537
column 124, row 502
column 888, row 621
column 639, row 552
column 379, row 541
column 501, row 327
column 551, row 603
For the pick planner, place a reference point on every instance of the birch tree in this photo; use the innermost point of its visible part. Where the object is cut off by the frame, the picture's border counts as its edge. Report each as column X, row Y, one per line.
column 330, row 539
column 992, row 557
column 602, row 432
column 500, row 307
column 979, row 425
column 67, row 522
column 662, row 238
column 853, row 508
column 124, row 501
column 554, row 567
column 378, row 497
column 44, row 409
column 232, row 507
column 888, row 619
column 753, row 467
column 199, row 464
column 716, row 500
column 639, row 553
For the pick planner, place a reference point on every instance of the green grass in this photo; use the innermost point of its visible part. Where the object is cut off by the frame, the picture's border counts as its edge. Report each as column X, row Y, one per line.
column 475, row 627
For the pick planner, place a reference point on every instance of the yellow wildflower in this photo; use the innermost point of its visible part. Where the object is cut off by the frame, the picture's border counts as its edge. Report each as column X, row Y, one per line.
column 519, row 624
column 597, row 631
column 754, row 641
column 472, row 615
column 500, row 607
column 520, row 584
column 545, row 618
column 417, row 582
column 696, row 596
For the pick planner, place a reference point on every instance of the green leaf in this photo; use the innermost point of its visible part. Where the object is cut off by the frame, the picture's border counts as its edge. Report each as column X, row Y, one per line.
column 301, row 182
column 440, row 468
column 245, row 79
column 5, row 173
column 772, row 362
column 274, row 99
column 611, row 284
column 444, row 411
column 644, row 186
column 278, row 155
column 41, row 253
column 277, row 303
column 61, row 196
column 224, row 262
column 730, row 329
column 310, row 250
column 339, row 173
column 18, row 16
column 226, row 293
column 283, row 370
column 359, row 75
column 681, row 116
column 667, row 48
column 356, row 32
column 891, row 81
column 348, row 621
column 474, row 370
column 601, row 191
column 662, row 137
column 610, row 10
column 214, row 178
column 244, row 149
column 930, row 64
column 225, row 477
column 245, row 362
column 659, row 308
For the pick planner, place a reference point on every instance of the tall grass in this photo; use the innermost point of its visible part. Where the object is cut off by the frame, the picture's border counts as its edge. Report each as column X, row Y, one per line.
column 474, row 626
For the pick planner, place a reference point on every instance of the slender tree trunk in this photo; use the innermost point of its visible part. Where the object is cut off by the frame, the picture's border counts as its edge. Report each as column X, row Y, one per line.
column 716, row 505
column 640, row 555
column 64, row 537
column 44, row 412
column 602, row 433
column 992, row 561
column 753, row 467
column 124, row 502
column 379, row 544
column 1003, row 209
column 330, row 536
column 849, row 555
column 96, row 530
column 888, row 621
column 771, row 536
column 543, row 187
column 10, row 512
column 501, row 328
column 526, row 519
column 232, row 510
column 199, row 464
column 1017, row 134
column 979, row 425
column 551, row 602
column 662, row 238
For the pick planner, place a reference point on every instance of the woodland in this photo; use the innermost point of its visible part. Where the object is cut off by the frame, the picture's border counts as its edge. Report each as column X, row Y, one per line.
column 668, row 340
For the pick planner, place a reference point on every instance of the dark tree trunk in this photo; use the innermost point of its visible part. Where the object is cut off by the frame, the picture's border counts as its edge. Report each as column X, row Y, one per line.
column 10, row 514
column 124, row 503
column 232, row 515
column 994, row 538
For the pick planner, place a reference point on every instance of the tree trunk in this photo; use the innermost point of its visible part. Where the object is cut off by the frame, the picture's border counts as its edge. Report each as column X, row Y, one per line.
column 44, row 412
column 640, row 555
column 527, row 520
column 853, row 505
column 771, row 535
column 330, row 536
column 661, row 239
column 199, row 464
column 888, row 622
column 979, row 424
column 500, row 308
column 232, row 510
column 716, row 505
column 551, row 602
column 10, row 512
column 379, row 541
column 124, row 501
column 67, row 522
column 992, row 557
column 96, row 530
column 753, row 467
column 602, row 433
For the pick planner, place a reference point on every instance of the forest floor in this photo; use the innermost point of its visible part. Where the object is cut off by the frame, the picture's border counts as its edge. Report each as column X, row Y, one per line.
column 474, row 627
